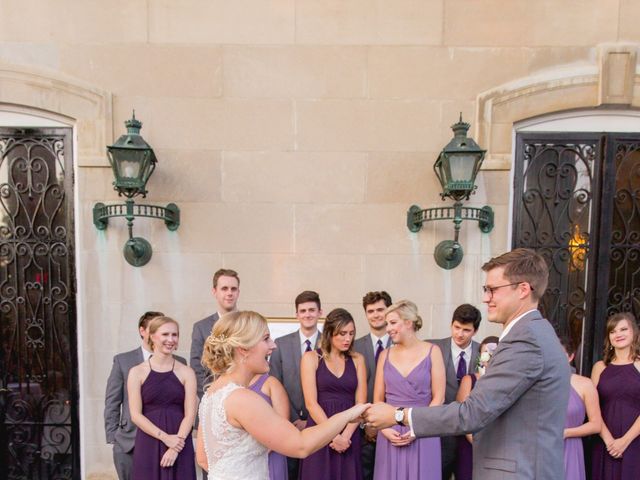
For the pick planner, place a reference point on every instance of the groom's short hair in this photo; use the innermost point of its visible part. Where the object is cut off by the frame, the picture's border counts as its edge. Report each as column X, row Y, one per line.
column 523, row 265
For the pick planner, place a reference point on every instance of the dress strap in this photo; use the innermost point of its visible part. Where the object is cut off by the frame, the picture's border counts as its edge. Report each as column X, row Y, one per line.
column 174, row 364
column 260, row 382
column 150, row 367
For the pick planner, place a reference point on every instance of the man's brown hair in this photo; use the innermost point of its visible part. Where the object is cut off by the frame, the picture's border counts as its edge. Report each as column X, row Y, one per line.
column 523, row 265
column 308, row 296
column 375, row 297
column 225, row 272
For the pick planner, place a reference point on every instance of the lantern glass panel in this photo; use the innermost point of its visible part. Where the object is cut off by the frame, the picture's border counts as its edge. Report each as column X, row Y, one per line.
column 462, row 166
column 129, row 164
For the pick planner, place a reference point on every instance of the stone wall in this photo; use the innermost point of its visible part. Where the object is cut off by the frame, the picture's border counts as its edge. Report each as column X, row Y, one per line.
column 293, row 135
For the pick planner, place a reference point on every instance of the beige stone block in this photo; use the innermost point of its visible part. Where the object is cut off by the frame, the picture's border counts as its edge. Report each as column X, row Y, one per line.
column 524, row 23
column 419, row 279
column 628, row 21
column 95, row 184
column 140, row 287
column 70, row 21
column 295, row 71
column 278, row 278
column 147, row 70
column 203, row 124
column 37, row 55
column 356, row 229
column 230, row 227
column 404, row 22
column 494, row 188
column 185, row 176
column 292, row 177
column 617, row 74
column 220, row 21
column 354, row 125
column 402, row 178
column 501, row 137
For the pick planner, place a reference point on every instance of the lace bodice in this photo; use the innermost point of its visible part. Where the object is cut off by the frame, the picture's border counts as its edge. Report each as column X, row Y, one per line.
column 232, row 453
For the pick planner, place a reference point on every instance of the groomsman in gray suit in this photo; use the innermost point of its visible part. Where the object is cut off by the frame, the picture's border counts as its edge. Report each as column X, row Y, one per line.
column 118, row 427
column 226, row 290
column 517, row 409
column 285, row 360
column 370, row 346
column 460, row 353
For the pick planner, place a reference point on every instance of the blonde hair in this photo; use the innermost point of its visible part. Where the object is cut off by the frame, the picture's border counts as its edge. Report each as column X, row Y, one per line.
column 406, row 310
column 155, row 323
column 233, row 330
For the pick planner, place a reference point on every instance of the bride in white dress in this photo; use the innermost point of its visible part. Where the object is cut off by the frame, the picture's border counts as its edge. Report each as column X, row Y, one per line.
column 237, row 427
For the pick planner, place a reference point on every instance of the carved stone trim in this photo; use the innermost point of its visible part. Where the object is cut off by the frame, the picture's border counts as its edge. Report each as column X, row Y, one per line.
column 50, row 94
column 612, row 81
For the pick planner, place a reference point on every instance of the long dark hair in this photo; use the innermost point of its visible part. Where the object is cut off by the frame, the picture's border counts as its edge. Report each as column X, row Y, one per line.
column 337, row 319
column 609, row 352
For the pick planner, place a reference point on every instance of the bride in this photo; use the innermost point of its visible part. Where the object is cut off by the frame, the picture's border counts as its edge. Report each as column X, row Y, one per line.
column 237, row 427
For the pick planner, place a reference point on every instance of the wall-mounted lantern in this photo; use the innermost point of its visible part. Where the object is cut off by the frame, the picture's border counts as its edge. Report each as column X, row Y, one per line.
column 133, row 161
column 456, row 169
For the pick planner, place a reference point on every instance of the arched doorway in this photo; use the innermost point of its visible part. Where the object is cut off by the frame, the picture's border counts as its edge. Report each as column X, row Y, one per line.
column 39, row 434
column 576, row 179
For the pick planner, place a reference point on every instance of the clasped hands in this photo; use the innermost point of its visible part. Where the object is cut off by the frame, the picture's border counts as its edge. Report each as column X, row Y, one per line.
column 174, row 444
column 379, row 416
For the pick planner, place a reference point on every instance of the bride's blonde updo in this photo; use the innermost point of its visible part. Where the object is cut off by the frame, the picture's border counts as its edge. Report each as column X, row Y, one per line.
column 233, row 330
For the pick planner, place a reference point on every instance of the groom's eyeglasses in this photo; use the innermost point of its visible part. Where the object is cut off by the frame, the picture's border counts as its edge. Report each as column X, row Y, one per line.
column 491, row 290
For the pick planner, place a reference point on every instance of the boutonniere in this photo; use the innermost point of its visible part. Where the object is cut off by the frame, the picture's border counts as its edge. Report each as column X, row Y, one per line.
column 484, row 357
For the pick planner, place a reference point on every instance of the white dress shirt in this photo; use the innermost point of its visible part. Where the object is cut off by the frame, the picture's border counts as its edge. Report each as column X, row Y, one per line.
column 508, row 328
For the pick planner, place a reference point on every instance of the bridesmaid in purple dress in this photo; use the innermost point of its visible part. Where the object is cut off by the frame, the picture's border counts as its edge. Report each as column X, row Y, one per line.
column 274, row 393
column 334, row 379
column 464, row 456
column 617, row 377
column 583, row 399
column 410, row 374
column 162, row 401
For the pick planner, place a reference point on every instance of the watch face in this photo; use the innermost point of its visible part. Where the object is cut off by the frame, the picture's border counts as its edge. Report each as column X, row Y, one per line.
column 399, row 415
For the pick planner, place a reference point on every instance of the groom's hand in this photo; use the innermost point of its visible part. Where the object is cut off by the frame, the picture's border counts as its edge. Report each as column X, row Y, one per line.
column 380, row 415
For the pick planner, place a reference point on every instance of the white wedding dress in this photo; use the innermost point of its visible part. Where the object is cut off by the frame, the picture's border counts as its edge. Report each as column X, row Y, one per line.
column 232, row 453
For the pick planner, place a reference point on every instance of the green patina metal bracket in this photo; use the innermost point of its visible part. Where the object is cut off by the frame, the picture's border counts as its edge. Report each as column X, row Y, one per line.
column 137, row 251
column 448, row 254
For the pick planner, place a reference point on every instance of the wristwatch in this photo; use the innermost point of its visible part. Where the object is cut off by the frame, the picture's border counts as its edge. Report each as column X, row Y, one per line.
column 399, row 415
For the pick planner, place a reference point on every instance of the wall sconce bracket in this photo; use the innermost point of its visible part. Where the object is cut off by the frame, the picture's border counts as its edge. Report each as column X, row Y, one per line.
column 448, row 253
column 137, row 251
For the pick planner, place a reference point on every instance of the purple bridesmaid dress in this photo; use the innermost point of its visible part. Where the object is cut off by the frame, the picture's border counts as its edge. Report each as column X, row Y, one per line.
column 619, row 390
column 335, row 394
column 573, row 451
column 277, row 462
column 420, row 460
column 163, row 404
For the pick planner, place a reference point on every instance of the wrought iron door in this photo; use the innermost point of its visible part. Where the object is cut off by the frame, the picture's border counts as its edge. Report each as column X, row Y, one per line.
column 577, row 203
column 38, row 374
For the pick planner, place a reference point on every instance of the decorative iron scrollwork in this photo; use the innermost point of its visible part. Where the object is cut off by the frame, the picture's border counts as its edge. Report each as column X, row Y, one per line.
column 37, row 298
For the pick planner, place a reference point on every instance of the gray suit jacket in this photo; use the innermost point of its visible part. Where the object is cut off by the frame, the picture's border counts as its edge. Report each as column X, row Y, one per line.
column 452, row 379
column 118, row 427
column 518, row 407
column 364, row 346
column 201, row 330
column 285, row 366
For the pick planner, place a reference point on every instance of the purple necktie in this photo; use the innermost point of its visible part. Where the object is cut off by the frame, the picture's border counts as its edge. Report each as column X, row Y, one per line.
column 379, row 350
column 462, row 367
column 308, row 342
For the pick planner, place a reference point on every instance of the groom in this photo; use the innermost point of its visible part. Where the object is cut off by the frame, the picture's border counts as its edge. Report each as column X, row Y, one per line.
column 517, row 410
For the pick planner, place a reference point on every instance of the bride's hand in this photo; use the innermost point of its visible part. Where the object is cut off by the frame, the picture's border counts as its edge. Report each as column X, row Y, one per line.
column 355, row 412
